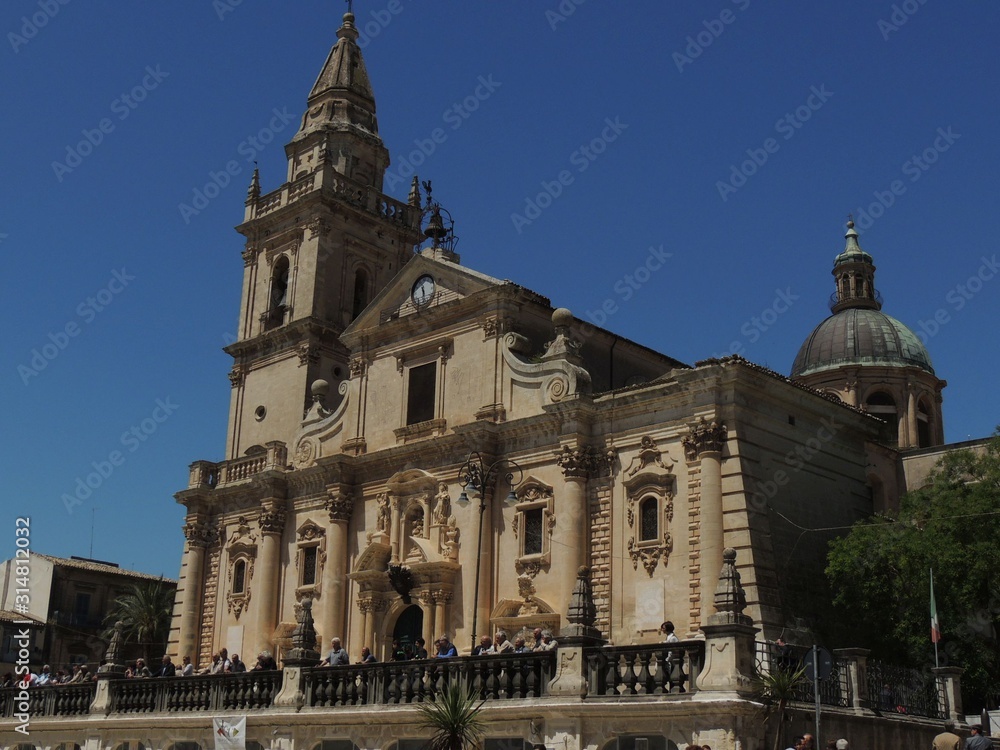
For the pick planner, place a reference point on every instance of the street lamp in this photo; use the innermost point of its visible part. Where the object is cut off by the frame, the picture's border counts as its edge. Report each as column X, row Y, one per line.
column 483, row 479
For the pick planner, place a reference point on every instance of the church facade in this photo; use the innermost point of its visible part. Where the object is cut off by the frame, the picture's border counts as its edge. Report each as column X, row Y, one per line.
column 416, row 449
column 466, row 447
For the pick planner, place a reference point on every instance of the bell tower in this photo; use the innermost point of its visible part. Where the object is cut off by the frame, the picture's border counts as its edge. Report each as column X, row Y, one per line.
column 318, row 249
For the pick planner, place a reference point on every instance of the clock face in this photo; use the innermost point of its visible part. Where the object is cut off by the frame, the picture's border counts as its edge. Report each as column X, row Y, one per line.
column 423, row 290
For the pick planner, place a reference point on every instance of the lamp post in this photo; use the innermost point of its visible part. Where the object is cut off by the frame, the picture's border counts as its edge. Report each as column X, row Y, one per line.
column 477, row 475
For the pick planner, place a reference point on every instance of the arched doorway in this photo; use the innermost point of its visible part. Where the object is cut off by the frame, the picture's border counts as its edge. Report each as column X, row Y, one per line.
column 409, row 626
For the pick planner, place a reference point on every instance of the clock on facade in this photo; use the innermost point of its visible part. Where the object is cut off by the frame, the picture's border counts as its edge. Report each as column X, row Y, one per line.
column 423, row 291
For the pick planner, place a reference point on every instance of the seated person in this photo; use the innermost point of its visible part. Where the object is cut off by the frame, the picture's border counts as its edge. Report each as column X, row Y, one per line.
column 485, row 646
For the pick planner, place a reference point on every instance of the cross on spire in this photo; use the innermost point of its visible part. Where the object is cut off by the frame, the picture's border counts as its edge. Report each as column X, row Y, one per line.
column 350, row 6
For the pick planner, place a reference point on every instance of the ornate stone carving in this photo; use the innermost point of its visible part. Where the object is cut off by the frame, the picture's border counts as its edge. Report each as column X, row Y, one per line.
column 704, row 437
column 200, row 534
column 650, row 555
column 237, row 376
column 442, row 504
column 339, row 504
column 493, row 327
column 442, row 596
column 528, row 569
column 358, row 367
column 648, row 455
column 309, row 531
column 383, row 514
column 114, row 663
column 449, row 548
column 303, row 653
column 585, row 461
column 272, row 520
column 304, row 452
column 249, row 256
column 308, row 354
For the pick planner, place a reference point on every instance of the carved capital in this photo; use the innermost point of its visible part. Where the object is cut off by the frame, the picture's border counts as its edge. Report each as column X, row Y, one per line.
column 237, row 376
column 272, row 520
column 308, row 354
column 358, row 367
column 200, row 534
column 704, row 437
column 442, row 596
column 339, row 504
column 584, row 462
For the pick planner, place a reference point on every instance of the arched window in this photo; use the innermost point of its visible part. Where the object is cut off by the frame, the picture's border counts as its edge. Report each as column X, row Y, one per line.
column 239, row 576
column 360, row 300
column 649, row 526
column 881, row 404
column 278, row 300
column 923, row 425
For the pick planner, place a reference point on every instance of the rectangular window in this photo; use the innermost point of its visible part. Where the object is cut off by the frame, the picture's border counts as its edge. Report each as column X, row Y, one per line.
column 308, row 566
column 648, row 520
column 82, row 609
column 533, row 531
column 420, row 394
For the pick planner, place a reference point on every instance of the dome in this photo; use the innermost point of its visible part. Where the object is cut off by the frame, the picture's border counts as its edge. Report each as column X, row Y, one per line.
column 859, row 336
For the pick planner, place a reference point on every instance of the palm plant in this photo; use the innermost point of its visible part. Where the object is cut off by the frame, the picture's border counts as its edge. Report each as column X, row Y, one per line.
column 775, row 688
column 145, row 610
column 454, row 718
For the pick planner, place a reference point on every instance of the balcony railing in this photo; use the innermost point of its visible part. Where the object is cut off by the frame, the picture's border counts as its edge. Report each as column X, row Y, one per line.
column 230, row 692
column 644, row 670
column 49, row 700
column 490, row 677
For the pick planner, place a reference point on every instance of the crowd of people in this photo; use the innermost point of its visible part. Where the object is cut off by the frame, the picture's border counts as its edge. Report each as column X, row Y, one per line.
column 222, row 663
column 500, row 643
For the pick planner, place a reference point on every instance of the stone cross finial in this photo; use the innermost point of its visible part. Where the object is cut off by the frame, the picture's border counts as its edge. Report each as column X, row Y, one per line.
column 730, row 598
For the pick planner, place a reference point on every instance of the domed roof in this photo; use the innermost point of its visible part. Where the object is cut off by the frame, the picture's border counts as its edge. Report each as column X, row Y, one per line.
column 859, row 336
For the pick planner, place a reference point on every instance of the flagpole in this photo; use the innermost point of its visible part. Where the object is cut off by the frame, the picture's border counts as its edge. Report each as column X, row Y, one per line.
column 935, row 627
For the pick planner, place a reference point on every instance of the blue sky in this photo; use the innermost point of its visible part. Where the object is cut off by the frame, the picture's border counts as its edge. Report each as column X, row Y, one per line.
column 732, row 136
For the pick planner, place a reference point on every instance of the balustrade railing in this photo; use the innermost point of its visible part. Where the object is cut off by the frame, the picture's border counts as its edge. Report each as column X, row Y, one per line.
column 494, row 677
column 49, row 700
column 655, row 669
column 229, row 692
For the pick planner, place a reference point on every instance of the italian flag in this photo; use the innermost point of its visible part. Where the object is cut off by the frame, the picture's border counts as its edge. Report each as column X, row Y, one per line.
column 935, row 624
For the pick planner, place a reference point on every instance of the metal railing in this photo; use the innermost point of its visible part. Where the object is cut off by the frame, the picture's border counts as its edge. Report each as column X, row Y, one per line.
column 904, row 690
column 835, row 690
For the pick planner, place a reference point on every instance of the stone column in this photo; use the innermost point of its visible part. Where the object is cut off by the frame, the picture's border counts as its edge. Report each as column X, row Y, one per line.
column 272, row 525
column 365, row 605
column 570, row 541
column 340, row 506
column 395, row 531
column 199, row 536
column 441, row 599
column 426, row 600
column 911, row 415
column 705, row 443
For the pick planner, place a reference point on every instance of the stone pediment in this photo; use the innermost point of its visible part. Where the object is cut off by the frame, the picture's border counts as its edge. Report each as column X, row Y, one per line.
column 396, row 302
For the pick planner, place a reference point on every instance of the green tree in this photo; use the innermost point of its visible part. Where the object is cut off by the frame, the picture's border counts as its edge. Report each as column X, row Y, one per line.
column 880, row 574
column 454, row 718
column 145, row 609
column 775, row 688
